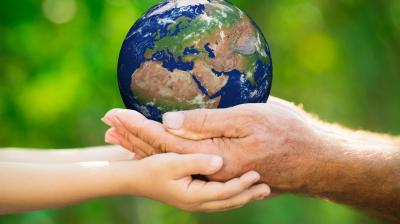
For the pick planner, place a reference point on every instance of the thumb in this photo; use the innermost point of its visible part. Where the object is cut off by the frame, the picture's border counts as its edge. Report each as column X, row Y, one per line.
column 193, row 164
column 202, row 123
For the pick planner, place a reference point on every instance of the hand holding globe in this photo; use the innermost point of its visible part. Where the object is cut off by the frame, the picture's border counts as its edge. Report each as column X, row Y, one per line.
column 183, row 55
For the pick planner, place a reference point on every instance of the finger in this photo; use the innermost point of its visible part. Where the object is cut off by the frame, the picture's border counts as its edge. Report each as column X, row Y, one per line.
column 257, row 192
column 154, row 134
column 139, row 154
column 191, row 164
column 220, row 191
column 113, row 137
column 109, row 115
column 132, row 141
column 205, row 123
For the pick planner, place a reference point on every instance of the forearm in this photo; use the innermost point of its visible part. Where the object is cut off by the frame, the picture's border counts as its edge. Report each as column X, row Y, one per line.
column 357, row 168
column 99, row 153
column 32, row 186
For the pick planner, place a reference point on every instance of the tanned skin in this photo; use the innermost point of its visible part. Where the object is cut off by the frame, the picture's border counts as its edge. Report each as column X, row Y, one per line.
column 293, row 151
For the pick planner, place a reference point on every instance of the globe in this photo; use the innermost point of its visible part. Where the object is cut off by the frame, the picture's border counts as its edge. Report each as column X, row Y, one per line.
column 187, row 54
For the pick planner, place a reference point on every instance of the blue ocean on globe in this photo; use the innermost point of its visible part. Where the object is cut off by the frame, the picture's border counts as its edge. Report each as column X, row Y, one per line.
column 188, row 54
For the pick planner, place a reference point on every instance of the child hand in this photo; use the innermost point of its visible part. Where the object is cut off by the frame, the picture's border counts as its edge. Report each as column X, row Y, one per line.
column 168, row 179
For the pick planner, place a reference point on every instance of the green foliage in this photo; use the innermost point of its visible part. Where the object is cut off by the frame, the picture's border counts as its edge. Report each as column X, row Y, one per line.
column 58, row 60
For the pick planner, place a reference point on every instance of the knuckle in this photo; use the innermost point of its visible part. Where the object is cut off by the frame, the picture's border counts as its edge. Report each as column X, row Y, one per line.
column 251, row 196
column 178, row 147
column 223, row 144
column 132, row 147
column 246, row 126
column 125, row 135
column 226, row 193
column 198, row 118
column 235, row 188
column 231, row 204
column 158, row 143
column 161, row 144
column 139, row 126
column 242, row 185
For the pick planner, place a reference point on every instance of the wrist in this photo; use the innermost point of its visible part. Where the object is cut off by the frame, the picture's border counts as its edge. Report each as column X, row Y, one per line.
column 326, row 165
column 123, row 178
column 289, row 168
column 311, row 153
column 346, row 160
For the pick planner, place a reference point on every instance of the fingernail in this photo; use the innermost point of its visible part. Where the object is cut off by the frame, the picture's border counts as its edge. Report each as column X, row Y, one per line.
column 112, row 112
column 215, row 161
column 173, row 120
column 104, row 120
column 109, row 114
column 266, row 191
column 262, row 194
column 254, row 177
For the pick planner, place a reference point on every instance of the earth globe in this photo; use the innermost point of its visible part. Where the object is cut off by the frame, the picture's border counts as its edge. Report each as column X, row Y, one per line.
column 188, row 54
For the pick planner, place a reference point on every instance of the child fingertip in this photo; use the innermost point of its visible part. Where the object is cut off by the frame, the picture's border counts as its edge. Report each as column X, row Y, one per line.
column 251, row 176
column 266, row 190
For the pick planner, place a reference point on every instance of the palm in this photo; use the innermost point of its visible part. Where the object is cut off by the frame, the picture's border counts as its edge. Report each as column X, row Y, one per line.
column 248, row 137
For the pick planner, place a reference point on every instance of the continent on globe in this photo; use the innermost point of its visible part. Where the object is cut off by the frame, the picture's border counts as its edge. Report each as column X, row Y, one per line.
column 187, row 54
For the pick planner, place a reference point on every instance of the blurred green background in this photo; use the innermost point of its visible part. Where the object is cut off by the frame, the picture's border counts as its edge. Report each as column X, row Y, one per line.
column 340, row 59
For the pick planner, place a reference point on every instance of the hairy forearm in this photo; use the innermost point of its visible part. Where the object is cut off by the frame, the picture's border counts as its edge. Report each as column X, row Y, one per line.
column 98, row 153
column 357, row 168
column 32, row 186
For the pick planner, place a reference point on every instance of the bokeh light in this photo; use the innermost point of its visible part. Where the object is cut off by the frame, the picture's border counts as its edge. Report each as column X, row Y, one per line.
column 59, row 11
column 58, row 61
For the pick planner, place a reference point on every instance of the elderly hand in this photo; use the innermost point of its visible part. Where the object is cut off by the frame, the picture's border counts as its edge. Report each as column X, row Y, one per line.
column 271, row 138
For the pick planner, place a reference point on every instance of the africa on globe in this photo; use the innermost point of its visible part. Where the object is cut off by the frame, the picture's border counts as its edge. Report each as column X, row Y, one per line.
column 188, row 54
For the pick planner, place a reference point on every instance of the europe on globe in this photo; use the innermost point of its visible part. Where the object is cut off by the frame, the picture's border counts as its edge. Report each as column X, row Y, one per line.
column 187, row 54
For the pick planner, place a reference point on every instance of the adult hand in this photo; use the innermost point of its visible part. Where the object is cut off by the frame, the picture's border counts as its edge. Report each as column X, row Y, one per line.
column 273, row 139
column 292, row 151
column 168, row 178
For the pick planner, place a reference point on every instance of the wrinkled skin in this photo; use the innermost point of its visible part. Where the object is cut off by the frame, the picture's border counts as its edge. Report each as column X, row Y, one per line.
column 292, row 151
column 246, row 139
